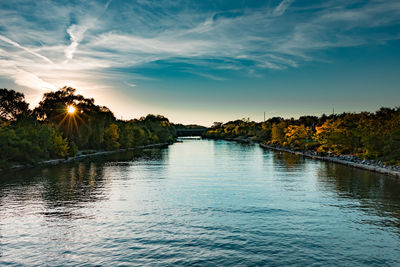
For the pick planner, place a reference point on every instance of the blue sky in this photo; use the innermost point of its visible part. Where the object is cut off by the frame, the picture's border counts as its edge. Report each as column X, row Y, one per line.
column 205, row 61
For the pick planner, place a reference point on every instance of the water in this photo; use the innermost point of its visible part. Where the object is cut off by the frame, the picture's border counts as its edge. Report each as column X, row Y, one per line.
column 199, row 203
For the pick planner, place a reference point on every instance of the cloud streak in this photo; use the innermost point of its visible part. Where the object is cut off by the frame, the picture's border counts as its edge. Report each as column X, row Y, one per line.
column 282, row 7
column 213, row 38
column 9, row 41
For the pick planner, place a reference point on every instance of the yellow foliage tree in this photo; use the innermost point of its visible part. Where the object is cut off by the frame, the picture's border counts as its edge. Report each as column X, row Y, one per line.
column 297, row 135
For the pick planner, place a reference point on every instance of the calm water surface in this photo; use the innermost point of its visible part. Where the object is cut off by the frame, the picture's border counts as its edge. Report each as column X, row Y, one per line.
column 199, row 203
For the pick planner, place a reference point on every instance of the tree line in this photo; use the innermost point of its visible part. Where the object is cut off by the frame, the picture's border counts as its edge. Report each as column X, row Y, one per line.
column 367, row 135
column 51, row 131
column 65, row 122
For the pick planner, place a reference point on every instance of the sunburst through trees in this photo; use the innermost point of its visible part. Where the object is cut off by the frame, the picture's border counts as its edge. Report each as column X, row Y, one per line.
column 74, row 115
column 72, row 120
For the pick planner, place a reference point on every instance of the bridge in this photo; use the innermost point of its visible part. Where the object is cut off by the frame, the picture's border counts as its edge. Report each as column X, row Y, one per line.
column 191, row 132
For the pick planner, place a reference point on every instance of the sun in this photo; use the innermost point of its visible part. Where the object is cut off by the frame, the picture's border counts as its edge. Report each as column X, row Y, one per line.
column 71, row 109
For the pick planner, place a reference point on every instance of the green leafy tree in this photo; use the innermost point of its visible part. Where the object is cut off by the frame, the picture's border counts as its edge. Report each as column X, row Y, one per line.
column 111, row 137
column 29, row 143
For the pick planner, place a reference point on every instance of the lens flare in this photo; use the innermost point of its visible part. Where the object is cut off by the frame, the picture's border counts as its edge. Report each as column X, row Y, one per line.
column 71, row 109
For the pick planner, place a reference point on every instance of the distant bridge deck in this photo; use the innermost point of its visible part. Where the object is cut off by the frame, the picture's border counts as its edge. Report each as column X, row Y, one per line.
column 191, row 132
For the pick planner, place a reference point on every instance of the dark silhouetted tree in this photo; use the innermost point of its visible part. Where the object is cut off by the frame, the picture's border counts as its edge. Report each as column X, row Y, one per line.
column 12, row 104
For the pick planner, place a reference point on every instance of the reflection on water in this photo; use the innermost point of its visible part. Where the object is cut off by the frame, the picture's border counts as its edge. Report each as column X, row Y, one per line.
column 199, row 203
column 63, row 188
column 377, row 195
column 290, row 162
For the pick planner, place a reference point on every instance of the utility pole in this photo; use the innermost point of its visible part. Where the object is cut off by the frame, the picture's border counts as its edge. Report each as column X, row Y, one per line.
column 264, row 116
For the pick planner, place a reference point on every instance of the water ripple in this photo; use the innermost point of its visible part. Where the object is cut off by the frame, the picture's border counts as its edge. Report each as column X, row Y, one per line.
column 199, row 203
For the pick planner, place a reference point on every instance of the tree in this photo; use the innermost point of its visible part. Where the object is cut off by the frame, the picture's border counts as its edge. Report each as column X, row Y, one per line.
column 111, row 137
column 217, row 125
column 297, row 136
column 26, row 143
column 278, row 133
column 322, row 135
column 55, row 104
column 264, row 132
column 85, row 127
column 12, row 104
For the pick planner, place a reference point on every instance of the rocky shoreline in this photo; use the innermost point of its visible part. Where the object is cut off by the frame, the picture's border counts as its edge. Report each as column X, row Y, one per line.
column 80, row 155
column 371, row 165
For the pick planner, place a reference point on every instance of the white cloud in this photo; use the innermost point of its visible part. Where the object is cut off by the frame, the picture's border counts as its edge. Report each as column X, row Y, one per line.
column 30, row 80
column 97, row 38
column 75, row 34
column 25, row 78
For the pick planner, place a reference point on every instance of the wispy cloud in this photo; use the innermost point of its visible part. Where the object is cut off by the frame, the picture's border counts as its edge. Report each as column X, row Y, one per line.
column 281, row 8
column 206, row 75
column 29, row 79
column 76, row 32
column 7, row 40
column 130, row 84
column 47, row 44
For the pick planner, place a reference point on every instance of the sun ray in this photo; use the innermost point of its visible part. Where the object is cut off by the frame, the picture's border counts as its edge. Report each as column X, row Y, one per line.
column 71, row 109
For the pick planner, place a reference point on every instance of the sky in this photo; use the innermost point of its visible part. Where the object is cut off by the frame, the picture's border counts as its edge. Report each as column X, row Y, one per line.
column 205, row 61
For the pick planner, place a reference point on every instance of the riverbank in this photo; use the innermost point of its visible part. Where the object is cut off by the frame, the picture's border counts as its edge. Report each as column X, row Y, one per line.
column 363, row 164
column 79, row 156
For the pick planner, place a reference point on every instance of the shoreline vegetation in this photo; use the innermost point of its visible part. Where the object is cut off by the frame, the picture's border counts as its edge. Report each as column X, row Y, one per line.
column 348, row 160
column 67, row 126
column 364, row 140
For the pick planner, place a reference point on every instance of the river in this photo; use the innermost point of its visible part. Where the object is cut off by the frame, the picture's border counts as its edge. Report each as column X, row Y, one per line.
column 199, row 202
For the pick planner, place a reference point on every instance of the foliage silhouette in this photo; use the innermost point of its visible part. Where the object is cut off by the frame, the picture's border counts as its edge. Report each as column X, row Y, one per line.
column 50, row 131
